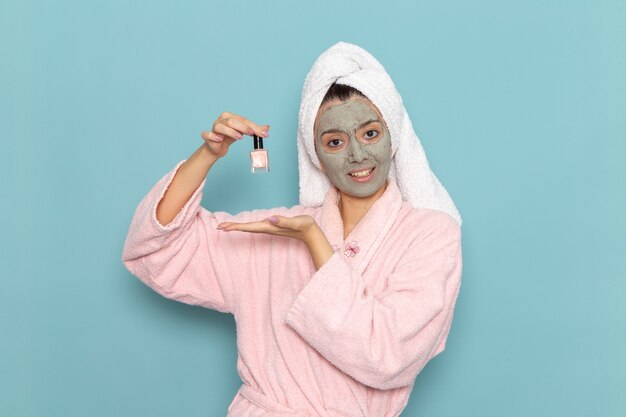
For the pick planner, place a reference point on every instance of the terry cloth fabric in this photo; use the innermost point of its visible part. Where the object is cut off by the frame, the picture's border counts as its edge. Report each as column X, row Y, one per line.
column 349, row 64
column 348, row 339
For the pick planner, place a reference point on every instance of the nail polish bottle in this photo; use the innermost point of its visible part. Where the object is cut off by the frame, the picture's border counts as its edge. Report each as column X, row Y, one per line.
column 259, row 159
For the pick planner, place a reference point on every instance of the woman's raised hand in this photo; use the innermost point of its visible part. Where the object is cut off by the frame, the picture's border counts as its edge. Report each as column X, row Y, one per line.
column 228, row 128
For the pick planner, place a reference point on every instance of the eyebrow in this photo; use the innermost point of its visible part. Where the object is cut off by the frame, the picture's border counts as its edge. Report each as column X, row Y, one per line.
column 359, row 127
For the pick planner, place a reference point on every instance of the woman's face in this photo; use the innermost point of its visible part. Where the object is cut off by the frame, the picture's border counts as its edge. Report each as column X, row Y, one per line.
column 353, row 145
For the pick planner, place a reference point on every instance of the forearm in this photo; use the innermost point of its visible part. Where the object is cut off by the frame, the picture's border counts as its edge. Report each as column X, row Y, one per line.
column 187, row 179
column 319, row 247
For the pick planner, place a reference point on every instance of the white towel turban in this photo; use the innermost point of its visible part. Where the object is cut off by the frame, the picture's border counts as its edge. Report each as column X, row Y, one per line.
column 349, row 64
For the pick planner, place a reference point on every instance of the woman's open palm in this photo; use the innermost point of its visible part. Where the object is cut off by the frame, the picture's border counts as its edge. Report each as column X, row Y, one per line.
column 296, row 227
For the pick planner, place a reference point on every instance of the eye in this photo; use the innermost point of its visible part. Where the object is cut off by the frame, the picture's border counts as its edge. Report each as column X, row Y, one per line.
column 368, row 136
column 333, row 143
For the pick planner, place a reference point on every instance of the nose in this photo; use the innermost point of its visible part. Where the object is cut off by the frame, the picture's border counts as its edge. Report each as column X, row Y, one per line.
column 356, row 152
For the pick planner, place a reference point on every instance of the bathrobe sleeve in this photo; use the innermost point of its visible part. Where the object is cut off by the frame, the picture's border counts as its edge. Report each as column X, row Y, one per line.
column 189, row 260
column 384, row 340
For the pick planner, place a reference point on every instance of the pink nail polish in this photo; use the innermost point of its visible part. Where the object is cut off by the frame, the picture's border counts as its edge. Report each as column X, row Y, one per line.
column 259, row 158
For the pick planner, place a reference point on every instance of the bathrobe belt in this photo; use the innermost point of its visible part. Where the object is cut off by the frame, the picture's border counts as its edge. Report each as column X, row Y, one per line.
column 273, row 407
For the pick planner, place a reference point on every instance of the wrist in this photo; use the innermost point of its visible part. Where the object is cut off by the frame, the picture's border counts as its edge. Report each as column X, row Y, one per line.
column 318, row 246
column 313, row 235
column 207, row 156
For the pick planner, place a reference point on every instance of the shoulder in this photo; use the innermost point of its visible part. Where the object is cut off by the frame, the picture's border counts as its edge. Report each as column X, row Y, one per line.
column 429, row 226
column 427, row 218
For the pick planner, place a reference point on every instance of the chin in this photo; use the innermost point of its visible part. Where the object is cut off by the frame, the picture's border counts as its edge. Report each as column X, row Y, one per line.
column 363, row 194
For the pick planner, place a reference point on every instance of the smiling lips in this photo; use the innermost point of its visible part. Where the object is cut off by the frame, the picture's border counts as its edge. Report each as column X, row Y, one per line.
column 362, row 175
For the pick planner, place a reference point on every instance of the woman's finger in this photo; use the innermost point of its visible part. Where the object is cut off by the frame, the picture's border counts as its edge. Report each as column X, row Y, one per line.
column 260, row 130
column 239, row 125
column 212, row 136
column 222, row 129
column 258, row 227
column 282, row 222
column 297, row 223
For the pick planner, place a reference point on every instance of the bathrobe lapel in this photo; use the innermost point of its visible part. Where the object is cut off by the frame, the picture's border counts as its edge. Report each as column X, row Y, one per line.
column 362, row 243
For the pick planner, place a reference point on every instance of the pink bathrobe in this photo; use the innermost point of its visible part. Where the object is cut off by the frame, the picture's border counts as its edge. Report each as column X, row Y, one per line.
column 346, row 340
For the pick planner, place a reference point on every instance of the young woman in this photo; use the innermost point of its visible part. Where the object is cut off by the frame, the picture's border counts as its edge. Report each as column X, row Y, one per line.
column 339, row 301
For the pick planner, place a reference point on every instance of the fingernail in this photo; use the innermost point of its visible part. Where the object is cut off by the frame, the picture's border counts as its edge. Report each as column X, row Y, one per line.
column 273, row 219
column 238, row 135
column 250, row 132
column 264, row 133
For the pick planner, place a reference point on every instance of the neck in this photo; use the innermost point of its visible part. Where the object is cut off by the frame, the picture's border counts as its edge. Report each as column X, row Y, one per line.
column 353, row 209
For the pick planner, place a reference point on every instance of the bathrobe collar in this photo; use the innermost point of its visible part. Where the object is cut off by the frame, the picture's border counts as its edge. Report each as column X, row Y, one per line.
column 363, row 241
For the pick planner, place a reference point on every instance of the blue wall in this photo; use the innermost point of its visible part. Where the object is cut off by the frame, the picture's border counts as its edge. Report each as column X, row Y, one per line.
column 521, row 110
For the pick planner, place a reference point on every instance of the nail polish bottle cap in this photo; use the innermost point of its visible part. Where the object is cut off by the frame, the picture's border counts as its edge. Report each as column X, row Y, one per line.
column 258, row 142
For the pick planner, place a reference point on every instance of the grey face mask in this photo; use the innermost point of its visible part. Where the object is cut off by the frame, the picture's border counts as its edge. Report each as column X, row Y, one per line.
column 346, row 143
